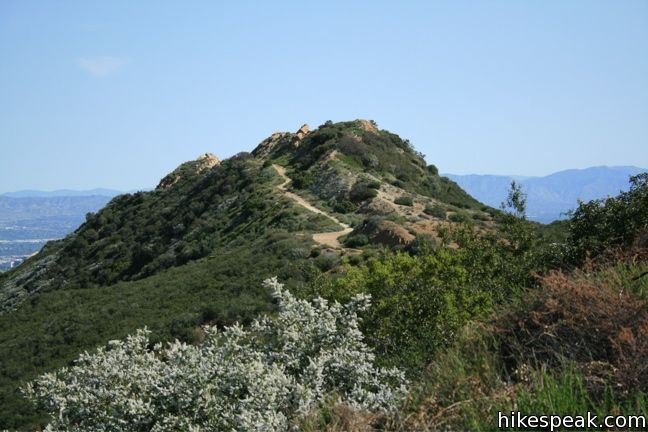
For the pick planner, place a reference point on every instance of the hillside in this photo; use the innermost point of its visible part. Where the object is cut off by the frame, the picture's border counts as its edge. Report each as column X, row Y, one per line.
column 551, row 196
column 196, row 249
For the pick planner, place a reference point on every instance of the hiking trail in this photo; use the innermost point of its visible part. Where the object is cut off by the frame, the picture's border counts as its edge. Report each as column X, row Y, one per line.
column 325, row 238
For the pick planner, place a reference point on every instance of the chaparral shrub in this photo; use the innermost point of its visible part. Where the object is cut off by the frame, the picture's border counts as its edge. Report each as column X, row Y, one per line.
column 599, row 325
column 264, row 377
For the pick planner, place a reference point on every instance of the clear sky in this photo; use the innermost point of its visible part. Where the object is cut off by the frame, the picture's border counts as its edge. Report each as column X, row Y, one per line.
column 117, row 93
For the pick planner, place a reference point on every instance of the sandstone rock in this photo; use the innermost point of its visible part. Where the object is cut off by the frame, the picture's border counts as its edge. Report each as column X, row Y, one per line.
column 300, row 134
column 209, row 160
column 379, row 206
column 368, row 126
column 303, row 131
column 385, row 232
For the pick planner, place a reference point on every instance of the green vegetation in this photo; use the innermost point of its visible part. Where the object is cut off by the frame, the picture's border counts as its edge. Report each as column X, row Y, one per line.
column 420, row 302
column 598, row 225
column 357, row 240
column 459, row 217
column 482, row 318
column 363, row 190
column 436, row 211
column 404, row 200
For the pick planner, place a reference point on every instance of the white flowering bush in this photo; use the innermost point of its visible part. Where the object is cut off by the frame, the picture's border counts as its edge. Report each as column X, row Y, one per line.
column 261, row 378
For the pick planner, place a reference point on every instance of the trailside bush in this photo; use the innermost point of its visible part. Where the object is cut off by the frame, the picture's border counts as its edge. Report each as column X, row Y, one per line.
column 599, row 325
column 357, row 240
column 420, row 302
column 302, row 180
column 261, row 378
column 601, row 224
column 344, row 206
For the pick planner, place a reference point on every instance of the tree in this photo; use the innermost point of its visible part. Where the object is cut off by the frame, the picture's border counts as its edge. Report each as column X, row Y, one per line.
column 515, row 200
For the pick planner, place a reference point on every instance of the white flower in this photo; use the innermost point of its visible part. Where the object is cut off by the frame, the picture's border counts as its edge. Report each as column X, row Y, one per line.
column 260, row 378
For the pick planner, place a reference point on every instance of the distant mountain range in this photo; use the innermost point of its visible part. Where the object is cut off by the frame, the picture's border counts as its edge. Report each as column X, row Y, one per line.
column 29, row 193
column 550, row 197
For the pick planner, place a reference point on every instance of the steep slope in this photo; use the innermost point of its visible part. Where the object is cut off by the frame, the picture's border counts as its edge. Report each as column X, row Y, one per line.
column 549, row 197
column 195, row 249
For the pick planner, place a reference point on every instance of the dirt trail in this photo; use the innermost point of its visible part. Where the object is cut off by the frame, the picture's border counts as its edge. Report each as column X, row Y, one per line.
column 325, row 238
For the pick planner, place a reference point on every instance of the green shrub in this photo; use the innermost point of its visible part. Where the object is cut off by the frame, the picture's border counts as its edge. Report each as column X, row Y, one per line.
column 302, row 180
column 355, row 260
column 327, row 261
column 435, row 210
column 422, row 244
column 404, row 200
column 357, row 240
column 459, row 217
column 361, row 192
column 460, row 204
column 419, row 302
column 344, row 206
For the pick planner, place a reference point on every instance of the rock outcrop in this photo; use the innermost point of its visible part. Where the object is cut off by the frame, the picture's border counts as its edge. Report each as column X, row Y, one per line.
column 208, row 160
column 203, row 163
column 303, row 131
column 385, row 232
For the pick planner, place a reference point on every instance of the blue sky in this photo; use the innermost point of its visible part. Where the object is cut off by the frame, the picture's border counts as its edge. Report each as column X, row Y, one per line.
column 116, row 94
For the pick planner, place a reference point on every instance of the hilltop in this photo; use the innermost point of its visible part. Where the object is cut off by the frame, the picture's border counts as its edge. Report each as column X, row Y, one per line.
column 346, row 175
column 196, row 248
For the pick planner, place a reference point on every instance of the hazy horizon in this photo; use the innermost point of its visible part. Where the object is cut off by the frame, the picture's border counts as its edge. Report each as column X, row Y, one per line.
column 116, row 95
